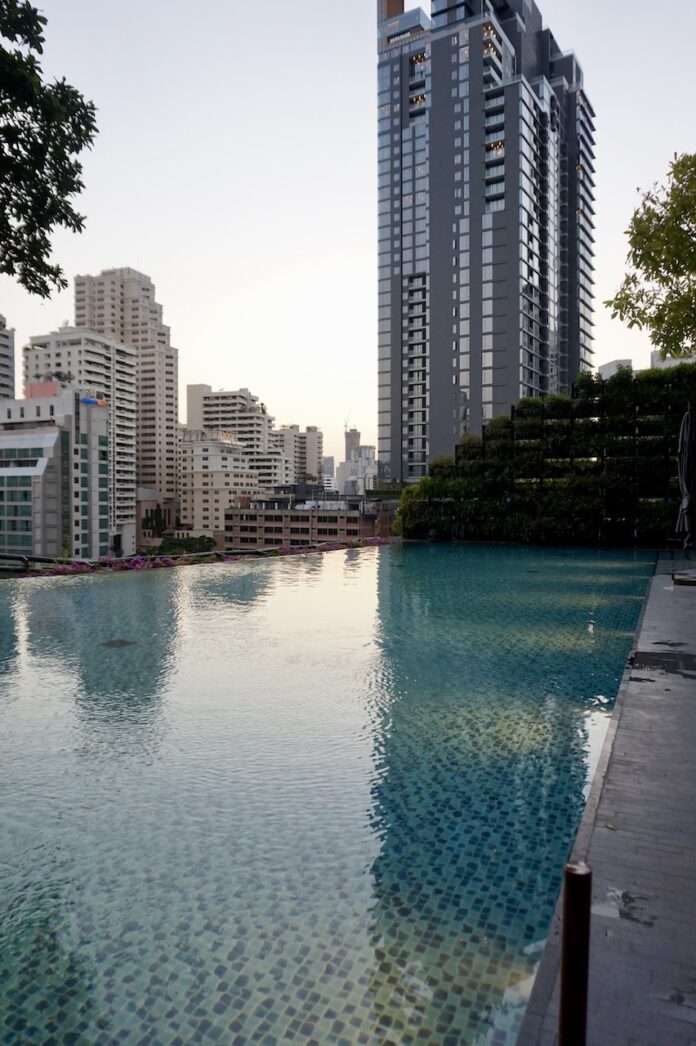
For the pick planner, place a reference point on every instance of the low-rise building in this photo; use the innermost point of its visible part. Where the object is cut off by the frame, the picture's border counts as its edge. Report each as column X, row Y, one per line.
column 265, row 524
column 54, row 475
column 214, row 472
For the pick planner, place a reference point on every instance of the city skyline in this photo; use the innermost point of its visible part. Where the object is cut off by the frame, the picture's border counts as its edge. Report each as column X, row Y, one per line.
column 293, row 185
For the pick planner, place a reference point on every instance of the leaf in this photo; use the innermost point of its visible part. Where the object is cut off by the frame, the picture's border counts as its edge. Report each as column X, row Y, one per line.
column 43, row 129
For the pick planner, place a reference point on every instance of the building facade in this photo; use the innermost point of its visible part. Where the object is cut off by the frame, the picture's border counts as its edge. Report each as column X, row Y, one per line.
column 658, row 363
column 311, row 454
column 352, row 441
column 358, row 475
column 105, row 370
column 214, row 472
column 7, row 360
column 120, row 303
column 244, row 416
column 54, row 466
column 608, row 370
column 485, row 221
column 268, row 524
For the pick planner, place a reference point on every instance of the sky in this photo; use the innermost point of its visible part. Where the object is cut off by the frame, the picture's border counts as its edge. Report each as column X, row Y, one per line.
column 236, row 166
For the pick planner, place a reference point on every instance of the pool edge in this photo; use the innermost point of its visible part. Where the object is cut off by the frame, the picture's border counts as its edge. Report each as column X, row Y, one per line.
column 541, row 1005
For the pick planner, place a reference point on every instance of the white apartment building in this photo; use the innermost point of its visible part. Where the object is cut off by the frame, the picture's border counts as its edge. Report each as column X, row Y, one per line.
column 304, row 449
column 54, row 474
column 105, row 370
column 287, row 440
column 214, row 472
column 120, row 303
column 208, row 409
column 311, row 453
column 240, row 413
column 7, row 360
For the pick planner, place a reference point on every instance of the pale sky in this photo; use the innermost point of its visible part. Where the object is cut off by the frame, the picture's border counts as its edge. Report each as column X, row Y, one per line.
column 236, row 165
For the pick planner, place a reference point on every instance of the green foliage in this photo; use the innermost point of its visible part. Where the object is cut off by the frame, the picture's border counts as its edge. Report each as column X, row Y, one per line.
column 469, row 446
column 599, row 468
column 172, row 546
column 43, row 127
column 659, row 291
column 441, row 464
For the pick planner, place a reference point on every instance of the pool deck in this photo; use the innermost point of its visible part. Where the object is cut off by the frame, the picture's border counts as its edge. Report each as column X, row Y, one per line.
column 639, row 836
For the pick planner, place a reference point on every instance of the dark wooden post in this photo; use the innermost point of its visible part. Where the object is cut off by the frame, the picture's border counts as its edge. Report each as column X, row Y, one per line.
column 575, row 954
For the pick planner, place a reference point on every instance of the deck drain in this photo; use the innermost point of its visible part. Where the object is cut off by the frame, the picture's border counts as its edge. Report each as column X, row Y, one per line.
column 118, row 644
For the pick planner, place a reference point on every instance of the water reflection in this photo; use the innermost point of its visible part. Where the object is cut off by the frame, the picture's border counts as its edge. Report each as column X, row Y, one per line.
column 113, row 644
column 239, row 587
column 8, row 633
column 481, row 753
column 309, row 799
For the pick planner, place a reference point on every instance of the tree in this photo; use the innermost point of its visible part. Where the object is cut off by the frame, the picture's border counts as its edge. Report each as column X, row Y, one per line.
column 659, row 291
column 43, row 127
column 441, row 463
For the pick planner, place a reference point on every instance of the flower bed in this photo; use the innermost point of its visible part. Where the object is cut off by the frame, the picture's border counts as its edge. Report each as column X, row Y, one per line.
column 155, row 562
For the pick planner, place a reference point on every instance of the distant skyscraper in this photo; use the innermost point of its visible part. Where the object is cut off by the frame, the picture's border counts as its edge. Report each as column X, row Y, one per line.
column 120, row 303
column 485, row 221
column 352, row 442
column 107, row 370
column 359, row 473
column 7, row 362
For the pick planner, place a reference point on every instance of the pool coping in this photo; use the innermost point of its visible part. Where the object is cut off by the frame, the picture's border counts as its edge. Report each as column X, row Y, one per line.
column 540, row 1006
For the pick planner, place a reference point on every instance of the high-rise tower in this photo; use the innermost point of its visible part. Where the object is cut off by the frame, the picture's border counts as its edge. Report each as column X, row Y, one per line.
column 104, row 369
column 7, row 361
column 485, row 221
column 120, row 303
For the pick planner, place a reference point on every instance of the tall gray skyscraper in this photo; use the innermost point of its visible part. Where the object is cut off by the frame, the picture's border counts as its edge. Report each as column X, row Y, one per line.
column 485, row 221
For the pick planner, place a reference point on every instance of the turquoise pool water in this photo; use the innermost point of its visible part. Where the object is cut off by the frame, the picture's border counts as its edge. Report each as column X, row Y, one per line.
column 321, row 800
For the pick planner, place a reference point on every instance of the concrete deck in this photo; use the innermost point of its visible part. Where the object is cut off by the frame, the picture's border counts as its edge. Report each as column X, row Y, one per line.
column 639, row 836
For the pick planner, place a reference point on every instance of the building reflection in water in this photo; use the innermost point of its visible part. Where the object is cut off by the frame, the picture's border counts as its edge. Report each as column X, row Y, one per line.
column 480, row 771
column 239, row 586
column 8, row 629
column 112, row 642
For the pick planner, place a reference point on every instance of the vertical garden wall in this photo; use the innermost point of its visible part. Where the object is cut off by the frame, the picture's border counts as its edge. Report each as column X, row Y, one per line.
column 597, row 468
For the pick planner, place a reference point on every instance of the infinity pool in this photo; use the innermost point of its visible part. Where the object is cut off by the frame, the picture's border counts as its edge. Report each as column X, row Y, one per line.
column 319, row 800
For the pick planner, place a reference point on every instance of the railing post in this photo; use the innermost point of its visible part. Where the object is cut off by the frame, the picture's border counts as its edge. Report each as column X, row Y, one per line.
column 575, row 954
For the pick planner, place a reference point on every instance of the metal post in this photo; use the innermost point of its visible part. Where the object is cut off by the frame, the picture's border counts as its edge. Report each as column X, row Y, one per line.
column 575, row 954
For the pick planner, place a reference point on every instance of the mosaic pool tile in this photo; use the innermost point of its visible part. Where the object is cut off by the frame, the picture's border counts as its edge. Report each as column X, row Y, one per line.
column 314, row 801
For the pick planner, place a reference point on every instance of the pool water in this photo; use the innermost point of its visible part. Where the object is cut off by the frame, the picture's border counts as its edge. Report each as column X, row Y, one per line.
column 314, row 800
